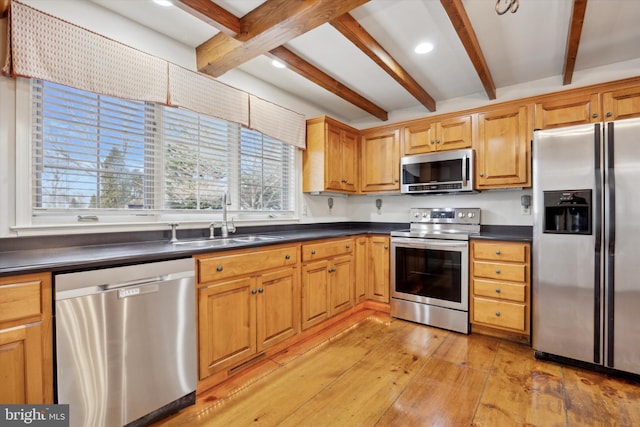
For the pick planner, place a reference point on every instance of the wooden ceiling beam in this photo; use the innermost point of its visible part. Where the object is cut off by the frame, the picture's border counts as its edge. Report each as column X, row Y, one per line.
column 352, row 30
column 462, row 25
column 573, row 40
column 212, row 14
column 308, row 71
column 268, row 26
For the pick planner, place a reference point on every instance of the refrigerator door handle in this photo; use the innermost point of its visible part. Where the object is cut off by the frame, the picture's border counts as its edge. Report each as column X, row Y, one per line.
column 611, row 182
column 597, row 221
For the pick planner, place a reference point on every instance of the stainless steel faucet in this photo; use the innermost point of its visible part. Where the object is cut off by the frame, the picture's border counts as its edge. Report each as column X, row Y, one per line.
column 225, row 227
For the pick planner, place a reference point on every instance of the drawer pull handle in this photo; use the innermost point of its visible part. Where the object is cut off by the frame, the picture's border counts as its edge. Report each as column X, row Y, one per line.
column 348, row 246
column 498, row 291
column 253, row 291
column 219, row 268
column 497, row 271
column 287, row 257
column 331, row 270
column 313, row 252
column 498, row 313
column 498, row 252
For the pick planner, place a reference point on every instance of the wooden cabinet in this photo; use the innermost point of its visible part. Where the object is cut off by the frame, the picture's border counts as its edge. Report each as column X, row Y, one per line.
column 247, row 302
column 328, row 276
column 447, row 134
column 330, row 162
column 378, row 289
column 621, row 104
column 500, row 289
column 361, row 265
column 380, row 161
column 503, row 148
column 26, row 348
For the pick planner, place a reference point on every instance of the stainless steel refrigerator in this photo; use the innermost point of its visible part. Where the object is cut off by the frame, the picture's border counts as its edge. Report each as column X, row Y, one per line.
column 586, row 244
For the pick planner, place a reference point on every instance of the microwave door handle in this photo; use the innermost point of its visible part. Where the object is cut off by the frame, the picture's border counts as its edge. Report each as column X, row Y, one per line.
column 465, row 161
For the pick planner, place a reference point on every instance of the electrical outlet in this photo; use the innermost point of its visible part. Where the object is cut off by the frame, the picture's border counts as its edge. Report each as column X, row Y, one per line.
column 304, row 209
column 525, row 210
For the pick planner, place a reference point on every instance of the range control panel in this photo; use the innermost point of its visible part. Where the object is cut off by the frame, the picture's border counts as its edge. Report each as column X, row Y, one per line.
column 445, row 215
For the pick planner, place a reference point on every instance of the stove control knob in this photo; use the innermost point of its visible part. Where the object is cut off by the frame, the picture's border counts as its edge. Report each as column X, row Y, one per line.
column 471, row 214
column 416, row 215
column 425, row 215
column 460, row 214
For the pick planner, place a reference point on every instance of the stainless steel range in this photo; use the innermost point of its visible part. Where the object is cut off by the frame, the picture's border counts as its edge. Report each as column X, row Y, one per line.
column 430, row 267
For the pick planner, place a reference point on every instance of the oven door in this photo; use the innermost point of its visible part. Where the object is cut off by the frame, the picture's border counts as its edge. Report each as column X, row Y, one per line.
column 431, row 271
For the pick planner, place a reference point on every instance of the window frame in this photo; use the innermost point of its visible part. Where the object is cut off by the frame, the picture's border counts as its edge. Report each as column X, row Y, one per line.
column 29, row 219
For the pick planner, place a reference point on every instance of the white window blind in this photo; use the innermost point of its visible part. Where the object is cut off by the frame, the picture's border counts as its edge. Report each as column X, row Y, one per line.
column 103, row 154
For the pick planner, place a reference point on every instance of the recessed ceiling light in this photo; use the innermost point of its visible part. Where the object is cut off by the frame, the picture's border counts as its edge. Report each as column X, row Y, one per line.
column 423, row 48
column 165, row 3
column 278, row 64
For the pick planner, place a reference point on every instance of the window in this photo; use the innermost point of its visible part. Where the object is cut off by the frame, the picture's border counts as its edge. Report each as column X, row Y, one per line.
column 105, row 155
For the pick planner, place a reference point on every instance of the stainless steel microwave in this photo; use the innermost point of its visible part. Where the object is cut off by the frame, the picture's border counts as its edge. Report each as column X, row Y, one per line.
column 442, row 172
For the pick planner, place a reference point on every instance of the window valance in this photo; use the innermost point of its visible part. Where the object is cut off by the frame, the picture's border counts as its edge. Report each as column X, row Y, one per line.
column 44, row 47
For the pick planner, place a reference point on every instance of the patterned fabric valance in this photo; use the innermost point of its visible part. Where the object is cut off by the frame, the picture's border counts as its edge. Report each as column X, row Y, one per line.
column 44, row 47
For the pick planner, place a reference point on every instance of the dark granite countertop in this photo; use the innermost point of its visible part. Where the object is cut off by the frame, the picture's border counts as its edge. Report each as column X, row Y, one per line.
column 73, row 253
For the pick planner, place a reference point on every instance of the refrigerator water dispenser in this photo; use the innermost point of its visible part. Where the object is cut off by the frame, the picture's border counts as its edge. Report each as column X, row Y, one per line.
column 567, row 212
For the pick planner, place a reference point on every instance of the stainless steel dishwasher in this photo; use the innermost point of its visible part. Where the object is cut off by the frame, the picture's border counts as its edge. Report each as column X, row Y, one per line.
column 126, row 342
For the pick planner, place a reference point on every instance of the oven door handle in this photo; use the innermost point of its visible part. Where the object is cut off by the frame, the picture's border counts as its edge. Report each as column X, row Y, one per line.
column 429, row 244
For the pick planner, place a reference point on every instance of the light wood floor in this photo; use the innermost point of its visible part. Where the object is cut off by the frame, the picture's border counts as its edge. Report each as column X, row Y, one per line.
column 388, row 372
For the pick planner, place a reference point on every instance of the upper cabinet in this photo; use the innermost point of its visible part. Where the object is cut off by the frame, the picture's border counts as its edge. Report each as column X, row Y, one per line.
column 330, row 162
column 503, row 148
column 560, row 110
column 429, row 136
column 380, row 161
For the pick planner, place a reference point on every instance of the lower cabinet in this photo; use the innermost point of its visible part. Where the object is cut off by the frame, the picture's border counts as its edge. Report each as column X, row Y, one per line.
column 378, row 279
column 361, row 261
column 26, row 348
column 500, row 288
column 243, row 315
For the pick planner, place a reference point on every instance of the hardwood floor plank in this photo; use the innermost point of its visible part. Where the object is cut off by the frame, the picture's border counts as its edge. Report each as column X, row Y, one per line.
column 275, row 396
column 597, row 400
column 442, row 394
column 362, row 395
column 521, row 391
column 474, row 351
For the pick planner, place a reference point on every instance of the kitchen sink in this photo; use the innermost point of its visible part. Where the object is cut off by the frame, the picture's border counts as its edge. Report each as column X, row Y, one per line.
column 217, row 242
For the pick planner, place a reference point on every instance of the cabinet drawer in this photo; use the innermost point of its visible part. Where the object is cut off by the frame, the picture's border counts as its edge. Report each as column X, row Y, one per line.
column 20, row 300
column 514, row 252
column 499, row 313
column 501, row 290
column 225, row 266
column 321, row 250
column 494, row 270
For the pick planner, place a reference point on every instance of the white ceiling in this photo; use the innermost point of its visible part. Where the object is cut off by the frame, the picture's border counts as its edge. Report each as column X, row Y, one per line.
column 525, row 46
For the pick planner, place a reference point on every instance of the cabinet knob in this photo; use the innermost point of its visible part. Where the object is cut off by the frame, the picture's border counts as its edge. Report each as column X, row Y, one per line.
column 261, row 290
column 437, row 141
column 497, row 271
column 386, row 247
column 432, row 142
column 497, row 313
column 344, row 181
column 498, row 291
column 395, row 180
column 219, row 268
column 253, row 291
column 348, row 246
column 481, row 174
column 498, row 252
column 287, row 257
column 609, row 114
column 595, row 115
column 313, row 252
column 331, row 270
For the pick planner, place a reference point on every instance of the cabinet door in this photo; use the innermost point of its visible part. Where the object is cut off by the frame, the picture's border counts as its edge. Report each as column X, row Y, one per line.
column 333, row 164
column 380, row 162
column 278, row 308
column 419, row 138
column 503, row 148
column 349, row 161
column 315, row 293
column 454, row 133
column 621, row 104
column 227, row 333
column 341, row 284
column 21, row 368
column 361, row 261
column 379, row 277
column 576, row 110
